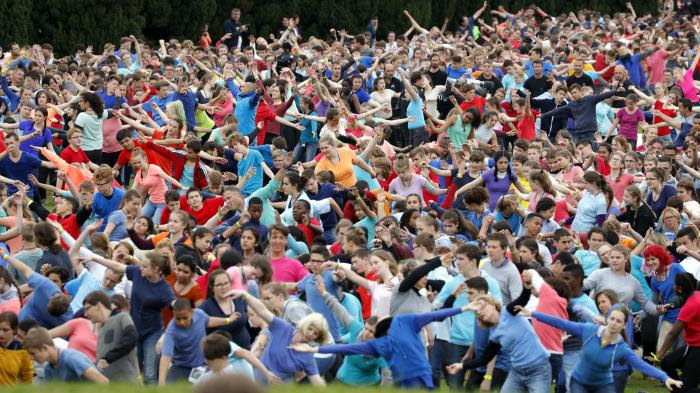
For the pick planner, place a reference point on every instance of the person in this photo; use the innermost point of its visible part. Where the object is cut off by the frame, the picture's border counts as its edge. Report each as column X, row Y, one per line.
column 16, row 365
column 397, row 339
column 278, row 356
column 47, row 305
column 603, row 346
column 182, row 339
column 218, row 304
column 66, row 365
column 150, row 179
column 150, row 293
column 116, row 340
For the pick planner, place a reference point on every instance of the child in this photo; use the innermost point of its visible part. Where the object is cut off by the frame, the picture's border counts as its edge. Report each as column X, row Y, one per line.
column 628, row 119
column 518, row 165
column 475, row 200
column 508, row 210
column 73, row 153
column 366, row 216
column 546, row 208
column 541, row 187
column 65, row 365
column 526, row 119
column 563, row 241
column 249, row 159
column 454, row 224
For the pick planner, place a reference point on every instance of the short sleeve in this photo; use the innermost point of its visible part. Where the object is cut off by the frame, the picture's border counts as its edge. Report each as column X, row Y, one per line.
column 168, row 340
column 132, row 272
column 688, row 312
column 76, row 362
column 117, row 218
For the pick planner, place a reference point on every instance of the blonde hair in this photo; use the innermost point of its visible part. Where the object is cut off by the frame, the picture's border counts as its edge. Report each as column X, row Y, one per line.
column 319, row 323
column 488, row 300
column 37, row 338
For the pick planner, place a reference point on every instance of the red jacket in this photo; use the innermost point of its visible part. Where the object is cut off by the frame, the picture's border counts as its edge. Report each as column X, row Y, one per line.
column 179, row 158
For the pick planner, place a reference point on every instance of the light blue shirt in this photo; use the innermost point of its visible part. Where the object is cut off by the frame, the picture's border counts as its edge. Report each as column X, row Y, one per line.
column 587, row 211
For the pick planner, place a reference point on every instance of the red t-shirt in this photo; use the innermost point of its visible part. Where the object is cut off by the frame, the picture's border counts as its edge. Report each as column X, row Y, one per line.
column 526, row 128
column 690, row 316
column 153, row 158
column 478, row 102
column 309, row 234
column 602, row 166
column 69, row 224
column 71, row 156
column 366, row 297
column 209, row 208
column 658, row 105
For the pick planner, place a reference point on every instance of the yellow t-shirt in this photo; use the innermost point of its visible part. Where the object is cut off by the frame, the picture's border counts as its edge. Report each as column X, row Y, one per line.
column 526, row 185
column 344, row 170
column 16, row 367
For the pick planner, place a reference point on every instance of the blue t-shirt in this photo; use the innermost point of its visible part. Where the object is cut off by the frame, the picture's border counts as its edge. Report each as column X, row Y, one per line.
column 252, row 160
column 147, row 301
column 316, row 301
column 455, row 73
column 513, row 220
column 80, row 287
column 183, row 345
column 266, row 152
column 517, row 337
column 71, row 366
column 281, row 360
column 27, row 127
column 368, row 224
column 665, row 291
column 103, row 206
column 35, row 308
column 161, row 102
column 588, row 210
column 119, row 233
column 111, row 101
column 19, row 170
column 481, row 341
column 415, row 108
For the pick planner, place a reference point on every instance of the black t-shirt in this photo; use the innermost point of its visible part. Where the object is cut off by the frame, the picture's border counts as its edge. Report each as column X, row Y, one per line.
column 495, row 83
column 437, row 78
column 583, row 80
column 537, row 86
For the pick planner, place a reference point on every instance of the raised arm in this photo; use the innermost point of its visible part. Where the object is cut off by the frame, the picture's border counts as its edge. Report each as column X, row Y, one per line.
column 256, row 305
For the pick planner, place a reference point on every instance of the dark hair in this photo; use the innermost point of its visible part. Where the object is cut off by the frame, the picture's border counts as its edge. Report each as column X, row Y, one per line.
column 685, row 284
column 212, row 279
column 575, row 270
column 231, row 257
column 382, row 327
column 545, row 204
column 565, row 258
column 95, row 297
column 94, row 101
column 45, row 236
column 478, row 283
column 182, row 304
column 9, row 279
column 215, row 346
column 687, row 231
column 11, row 319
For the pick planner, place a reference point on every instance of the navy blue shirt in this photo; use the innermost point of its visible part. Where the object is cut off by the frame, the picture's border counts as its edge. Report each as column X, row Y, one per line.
column 19, row 170
column 330, row 219
column 238, row 328
column 147, row 301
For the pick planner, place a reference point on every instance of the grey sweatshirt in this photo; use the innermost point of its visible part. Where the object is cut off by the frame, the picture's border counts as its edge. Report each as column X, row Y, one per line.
column 626, row 287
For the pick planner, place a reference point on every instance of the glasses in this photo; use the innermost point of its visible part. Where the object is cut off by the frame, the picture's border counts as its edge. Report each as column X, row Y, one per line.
column 669, row 218
column 652, row 178
column 102, row 184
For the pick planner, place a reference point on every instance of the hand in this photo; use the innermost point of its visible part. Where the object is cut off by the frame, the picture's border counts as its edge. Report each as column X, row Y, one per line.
column 320, row 284
column 94, row 226
column 224, row 210
column 524, row 311
column 273, row 379
column 220, row 160
column 45, row 269
column 32, row 179
column 454, row 368
column 353, row 193
column 236, row 293
column 600, row 320
column 671, row 383
column 102, row 364
column 459, row 290
column 485, row 385
column 305, row 219
column 303, row 348
column 229, row 176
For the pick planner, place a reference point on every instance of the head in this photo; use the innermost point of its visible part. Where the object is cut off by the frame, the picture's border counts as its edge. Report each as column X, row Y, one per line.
column 39, row 344
column 605, row 299
column 314, row 328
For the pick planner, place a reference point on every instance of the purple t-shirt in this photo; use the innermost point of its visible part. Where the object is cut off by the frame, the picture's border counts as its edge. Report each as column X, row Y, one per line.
column 415, row 187
column 27, row 127
column 628, row 123
column 495, row 186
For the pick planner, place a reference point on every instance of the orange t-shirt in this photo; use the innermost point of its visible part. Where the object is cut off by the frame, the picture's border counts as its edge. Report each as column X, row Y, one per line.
column 344, row 170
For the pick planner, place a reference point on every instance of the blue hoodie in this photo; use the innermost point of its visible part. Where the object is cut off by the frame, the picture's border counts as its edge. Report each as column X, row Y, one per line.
column 596, row 362
column 402, row 347
column 245, row 110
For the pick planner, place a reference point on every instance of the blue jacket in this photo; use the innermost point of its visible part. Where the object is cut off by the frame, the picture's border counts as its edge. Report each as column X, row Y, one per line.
column 401, row 347
column 595, row 366
column 582, row 111
column 246, row 108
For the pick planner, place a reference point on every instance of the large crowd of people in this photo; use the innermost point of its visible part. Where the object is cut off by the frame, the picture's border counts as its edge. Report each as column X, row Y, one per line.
column 509, row 205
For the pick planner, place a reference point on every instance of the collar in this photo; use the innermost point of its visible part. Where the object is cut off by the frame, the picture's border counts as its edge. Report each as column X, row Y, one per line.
column 600, row 331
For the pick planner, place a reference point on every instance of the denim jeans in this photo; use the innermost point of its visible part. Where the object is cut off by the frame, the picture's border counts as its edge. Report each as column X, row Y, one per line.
column 455, row 353
column 555, row 361
column 437, row 355
column 569, row 363
column 578, row 387
column 153, row 210
column 324, row 361
column 534, row 379
column 306, row 150
column 148, row 359
column 178, row 373
column 329, row 235
column 620, row 380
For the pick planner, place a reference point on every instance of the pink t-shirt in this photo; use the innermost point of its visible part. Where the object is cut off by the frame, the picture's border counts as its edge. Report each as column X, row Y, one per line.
column 11, row 305
column 657, row 65
column 535, row 198
column 237, row 279
column 688, row 88
column 110, row 127
column 82, row 337
column 620, row 184
column 152, row 183
column 628, row 123
column 287, row 270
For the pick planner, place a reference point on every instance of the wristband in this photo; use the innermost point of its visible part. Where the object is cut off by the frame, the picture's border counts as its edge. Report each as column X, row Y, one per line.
column 228, row 320
column 488, row 377
column 238, row 224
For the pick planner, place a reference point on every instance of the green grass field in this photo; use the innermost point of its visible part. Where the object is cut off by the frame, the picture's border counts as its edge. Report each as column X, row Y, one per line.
column 637, row 384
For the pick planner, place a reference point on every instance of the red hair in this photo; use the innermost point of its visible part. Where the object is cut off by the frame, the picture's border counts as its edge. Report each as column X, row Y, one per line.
column 660, row 253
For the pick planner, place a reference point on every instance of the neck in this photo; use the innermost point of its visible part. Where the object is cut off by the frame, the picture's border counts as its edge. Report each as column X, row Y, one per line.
column 471, row 272
column 217, row 365
column 53, row 355
column 498, row 260
column 276, row 254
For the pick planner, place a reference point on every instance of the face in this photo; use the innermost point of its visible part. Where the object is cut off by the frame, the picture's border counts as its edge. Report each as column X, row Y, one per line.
column 278, row 241
column 183, row 273
column 6, row 334
column 40, row 356
column 488, row 313
column 575, row 94
column 194, row 199
column 494, row 250
column 617, row 261
column 616, row 322
column 148, row 270
column 183, row 319
column 671, row 222
column 203, row 243
column 533, row 226
column 111, row 279
column 248, row 241
column 502, row 164
column 56, row 279
column 222, row 285
column 413, row 202
column 526, row 254
column 604, row 304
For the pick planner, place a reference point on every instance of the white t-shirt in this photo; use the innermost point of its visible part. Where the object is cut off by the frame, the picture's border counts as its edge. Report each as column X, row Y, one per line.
column 692, row 266
column 381, row 297
column 383, row 98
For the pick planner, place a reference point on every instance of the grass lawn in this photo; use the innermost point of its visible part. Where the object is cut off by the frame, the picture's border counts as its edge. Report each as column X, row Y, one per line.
column 637, row 384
